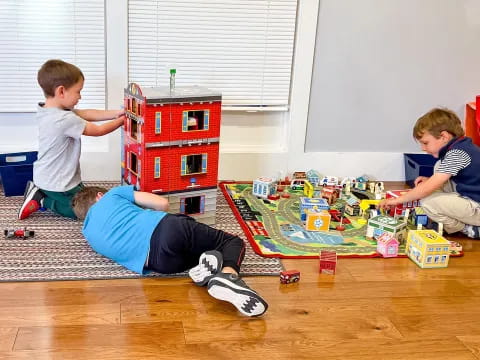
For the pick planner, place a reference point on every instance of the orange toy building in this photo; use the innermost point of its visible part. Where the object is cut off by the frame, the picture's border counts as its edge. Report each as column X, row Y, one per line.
column 171, row 146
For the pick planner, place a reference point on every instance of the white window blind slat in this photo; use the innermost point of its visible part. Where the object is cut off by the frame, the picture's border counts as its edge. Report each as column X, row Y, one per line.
column 242, row 48
column 34, row 31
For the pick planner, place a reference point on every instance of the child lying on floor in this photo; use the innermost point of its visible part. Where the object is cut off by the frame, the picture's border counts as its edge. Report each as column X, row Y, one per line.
column 134, row 229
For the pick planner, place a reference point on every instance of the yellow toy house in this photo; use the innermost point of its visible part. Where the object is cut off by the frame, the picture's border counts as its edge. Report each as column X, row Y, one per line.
column 427, row 248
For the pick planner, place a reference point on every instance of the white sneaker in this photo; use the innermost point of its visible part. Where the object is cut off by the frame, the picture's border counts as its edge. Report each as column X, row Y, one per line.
column 231, row 288
column 209, row 264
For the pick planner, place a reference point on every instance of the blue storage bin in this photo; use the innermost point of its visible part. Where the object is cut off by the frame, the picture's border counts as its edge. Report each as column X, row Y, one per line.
column 418, row 165
column 16, row 169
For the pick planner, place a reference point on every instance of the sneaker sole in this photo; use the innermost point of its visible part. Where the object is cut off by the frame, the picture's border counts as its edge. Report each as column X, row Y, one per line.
column 29, row 187
column 209, row 264
column 248, row 302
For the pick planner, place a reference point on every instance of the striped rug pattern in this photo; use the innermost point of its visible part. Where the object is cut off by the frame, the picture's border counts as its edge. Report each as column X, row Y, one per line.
column 58, row 251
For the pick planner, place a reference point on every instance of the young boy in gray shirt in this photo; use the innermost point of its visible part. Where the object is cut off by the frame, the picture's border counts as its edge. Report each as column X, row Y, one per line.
column 56, row 173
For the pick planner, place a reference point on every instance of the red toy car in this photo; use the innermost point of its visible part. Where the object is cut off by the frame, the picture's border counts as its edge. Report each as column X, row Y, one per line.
column 290, row 276
column 18, row 233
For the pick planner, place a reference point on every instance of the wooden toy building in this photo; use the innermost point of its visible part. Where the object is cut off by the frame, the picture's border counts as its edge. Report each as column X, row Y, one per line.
column 385, row 224
column 400, row 209
column 171, row 146
column 328, row 262
column 428, row 249
column 317, row 220
column 264, row 187
column 311, row 203
column 387, row 245
column 352, row 206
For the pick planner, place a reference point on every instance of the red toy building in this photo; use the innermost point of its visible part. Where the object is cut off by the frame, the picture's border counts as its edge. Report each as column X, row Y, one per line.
column 171, row 146
column 328, row 262
column 400, row 209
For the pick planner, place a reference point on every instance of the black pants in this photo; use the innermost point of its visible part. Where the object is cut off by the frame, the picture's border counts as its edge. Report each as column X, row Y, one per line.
column 179, row 240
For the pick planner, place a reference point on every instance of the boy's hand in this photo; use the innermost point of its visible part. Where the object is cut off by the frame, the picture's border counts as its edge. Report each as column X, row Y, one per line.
column 387, row 203
column 120, row 112
column 420, row 179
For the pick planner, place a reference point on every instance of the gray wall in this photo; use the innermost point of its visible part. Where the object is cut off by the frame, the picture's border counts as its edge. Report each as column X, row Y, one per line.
column 380, row 64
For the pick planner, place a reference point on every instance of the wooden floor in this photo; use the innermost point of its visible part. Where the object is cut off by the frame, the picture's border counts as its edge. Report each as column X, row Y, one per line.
column 371, row 309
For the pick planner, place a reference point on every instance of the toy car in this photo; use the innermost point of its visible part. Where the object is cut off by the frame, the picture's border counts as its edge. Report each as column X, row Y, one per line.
column 18, row 233
column 329, row 181
column 289, row 276
column 297, row 184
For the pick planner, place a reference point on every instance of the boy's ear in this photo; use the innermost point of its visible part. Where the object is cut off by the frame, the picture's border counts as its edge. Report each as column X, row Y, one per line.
column 445, row 135
column 60, row 91
column 99, row 196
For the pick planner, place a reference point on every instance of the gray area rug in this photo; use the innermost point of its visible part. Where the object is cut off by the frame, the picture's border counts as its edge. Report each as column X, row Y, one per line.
column 58, row 251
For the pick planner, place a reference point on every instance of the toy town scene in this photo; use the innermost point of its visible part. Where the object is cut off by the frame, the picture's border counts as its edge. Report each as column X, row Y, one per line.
column 309, row 213
column 171, row 148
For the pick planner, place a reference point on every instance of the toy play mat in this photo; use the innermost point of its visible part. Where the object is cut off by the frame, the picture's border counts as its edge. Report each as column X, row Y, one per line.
column 274, row 228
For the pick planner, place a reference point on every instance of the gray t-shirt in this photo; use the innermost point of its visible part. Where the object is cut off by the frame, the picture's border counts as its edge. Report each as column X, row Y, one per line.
column 59, row 147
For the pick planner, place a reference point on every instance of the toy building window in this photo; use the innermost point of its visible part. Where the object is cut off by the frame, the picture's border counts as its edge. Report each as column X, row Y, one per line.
column 133, row 128
column 156, row 174
column 139, row 109
column 133, row 163
column 158, row 122
column 194, row 164
column 134, row 105
column 196, row 120
column 193, row 205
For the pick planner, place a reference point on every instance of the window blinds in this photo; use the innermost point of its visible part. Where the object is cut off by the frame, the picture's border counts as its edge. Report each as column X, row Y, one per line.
column 242, row 48
column 34, row 31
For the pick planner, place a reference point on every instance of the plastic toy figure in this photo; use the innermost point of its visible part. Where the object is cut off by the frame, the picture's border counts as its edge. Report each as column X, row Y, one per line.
column 348, row 188
column 18, row 233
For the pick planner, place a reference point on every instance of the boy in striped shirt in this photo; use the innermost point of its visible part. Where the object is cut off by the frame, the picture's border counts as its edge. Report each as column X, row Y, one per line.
column 452, row 194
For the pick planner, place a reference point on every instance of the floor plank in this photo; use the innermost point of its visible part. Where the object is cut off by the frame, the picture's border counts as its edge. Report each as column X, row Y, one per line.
column 7, row 338
column 84, row 337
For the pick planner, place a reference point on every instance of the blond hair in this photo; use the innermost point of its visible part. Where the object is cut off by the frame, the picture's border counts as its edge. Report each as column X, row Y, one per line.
column 55, row 73
column 436, row 121
column 84, row 199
